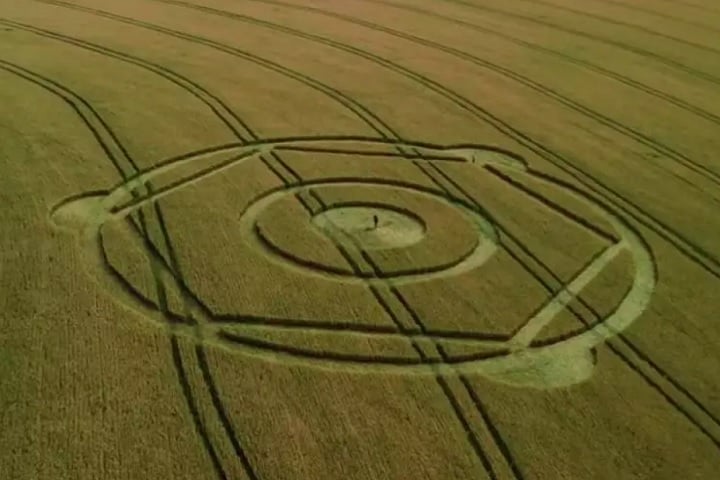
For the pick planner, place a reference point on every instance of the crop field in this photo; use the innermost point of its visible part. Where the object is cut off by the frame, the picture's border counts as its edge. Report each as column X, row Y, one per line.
column 359, row 239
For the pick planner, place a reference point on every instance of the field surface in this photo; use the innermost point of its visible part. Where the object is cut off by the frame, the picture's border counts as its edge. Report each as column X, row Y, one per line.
column 359, row 239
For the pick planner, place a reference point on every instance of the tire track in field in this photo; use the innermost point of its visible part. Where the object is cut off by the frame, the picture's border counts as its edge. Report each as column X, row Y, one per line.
column 624, row 130
column 634, row 26
column 694, row 5
column 126, row 167
column 190, row 400
column 405, row 308
column 488, row 422
column 232, row 121
column 236, row 52
column 229, row 118
column 664, row 96
column 200, row 361
column 513, row 134
column 695, row 253
column 614, row 43
column 656, row 13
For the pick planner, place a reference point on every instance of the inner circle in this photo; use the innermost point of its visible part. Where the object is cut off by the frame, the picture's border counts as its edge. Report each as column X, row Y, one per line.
column 371, row 227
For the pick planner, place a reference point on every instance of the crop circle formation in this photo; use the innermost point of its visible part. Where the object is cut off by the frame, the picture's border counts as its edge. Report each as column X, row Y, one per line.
column 375, row 225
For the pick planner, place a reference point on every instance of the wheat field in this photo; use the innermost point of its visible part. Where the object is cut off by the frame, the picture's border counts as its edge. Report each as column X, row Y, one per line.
column 359, row 239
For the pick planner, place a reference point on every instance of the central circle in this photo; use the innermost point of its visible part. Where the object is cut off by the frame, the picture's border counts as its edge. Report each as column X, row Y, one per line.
column 371, row 227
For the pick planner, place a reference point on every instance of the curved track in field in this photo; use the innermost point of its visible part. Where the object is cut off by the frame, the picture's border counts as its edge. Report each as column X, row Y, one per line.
column 594, row 67
column 634, row 26
column 421, row 42
column 694, row 72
